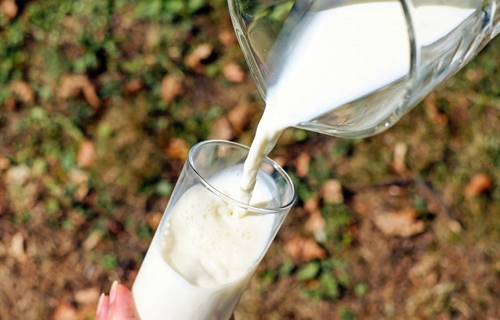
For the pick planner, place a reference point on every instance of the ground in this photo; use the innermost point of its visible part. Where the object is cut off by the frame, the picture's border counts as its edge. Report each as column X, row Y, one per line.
column 99, row 103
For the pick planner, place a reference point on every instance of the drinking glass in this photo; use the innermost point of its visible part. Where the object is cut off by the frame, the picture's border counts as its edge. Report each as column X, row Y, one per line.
column 268, row 30
column 166, row 288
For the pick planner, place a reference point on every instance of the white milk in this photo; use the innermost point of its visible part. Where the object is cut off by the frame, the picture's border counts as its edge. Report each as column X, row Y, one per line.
column 337, row 56
column 204, row 257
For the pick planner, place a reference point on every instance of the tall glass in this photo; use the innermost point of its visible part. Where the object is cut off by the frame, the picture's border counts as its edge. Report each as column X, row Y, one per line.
column 208, row 244
column 375, row 59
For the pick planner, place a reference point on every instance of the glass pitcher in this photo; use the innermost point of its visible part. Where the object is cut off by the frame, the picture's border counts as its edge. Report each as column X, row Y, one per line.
column 369, row 62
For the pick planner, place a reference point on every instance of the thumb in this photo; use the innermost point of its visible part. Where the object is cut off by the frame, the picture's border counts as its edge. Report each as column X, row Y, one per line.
column 121, row 303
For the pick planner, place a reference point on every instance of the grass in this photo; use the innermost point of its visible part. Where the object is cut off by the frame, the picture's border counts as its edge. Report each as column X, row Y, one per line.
column 90, row 224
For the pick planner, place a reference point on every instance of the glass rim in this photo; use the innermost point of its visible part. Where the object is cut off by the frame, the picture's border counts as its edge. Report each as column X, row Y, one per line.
column 248, row 207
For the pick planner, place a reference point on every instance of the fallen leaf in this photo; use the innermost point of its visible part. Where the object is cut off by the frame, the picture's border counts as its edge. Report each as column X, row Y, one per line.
column 398, row 164
column 474, row 74
column 177, row 149
column 221, row 129
column 302, row 164
column 233, row 72
column 87, row 296
column 80, row 178
column 478, row 184
column 72, row 85
column 4, row 163
column 331, row 191
column 64, row 311
column 423, row 268
column 23, row 91
column 17, row 250
column 86, row 154
column 18, row 175
column 170, row 88
column 311, row 205
column 304, row 249
column 133, row 86
column 315, row 222
column 402, row 223
column 227, row 37
column 239, row 117
column 9, row 9
column 193, row 60
column 154, row 219
column 92, row 240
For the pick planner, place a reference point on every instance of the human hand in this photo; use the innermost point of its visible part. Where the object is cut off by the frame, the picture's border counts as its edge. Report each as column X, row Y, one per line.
column 119, row 305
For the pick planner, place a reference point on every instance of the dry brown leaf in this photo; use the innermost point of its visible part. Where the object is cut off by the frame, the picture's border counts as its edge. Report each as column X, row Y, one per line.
column 154, row 219
column 315, row 223
column 133, row 86
column 193, row 60
column 177, row 149
column 478, row 184
column 302, row 164
column 72, row 85
column 221, row 129
column 402, row 223
column 239, row 117
column 23, row 91
column 304, row 249
column 4, row 163
column 9, row 9
column 92, row 240
column 17, row 248
column 80, row 178
column 398, row 164
column 311, row 205
column 87, row 296
column 86, row 154
column 170, row 88
column 64, row 311
column 473, row 75
column 423, row 268
column 18, row 175
column 332, row 192
column 233, row 72
column 227, row 37
column 361, row 207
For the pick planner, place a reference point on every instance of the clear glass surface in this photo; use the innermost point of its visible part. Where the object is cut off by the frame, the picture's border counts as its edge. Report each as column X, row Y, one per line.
column 173, row 284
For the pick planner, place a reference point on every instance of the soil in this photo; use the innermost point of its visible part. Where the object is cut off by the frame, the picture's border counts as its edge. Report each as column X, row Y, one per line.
column 85, row 174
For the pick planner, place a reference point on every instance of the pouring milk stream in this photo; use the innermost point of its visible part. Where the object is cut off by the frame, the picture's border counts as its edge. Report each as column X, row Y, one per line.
column 327, row 66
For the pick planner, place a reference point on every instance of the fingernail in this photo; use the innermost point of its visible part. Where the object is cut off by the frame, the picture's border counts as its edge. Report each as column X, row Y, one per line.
column 99, row 304
column 112, row 292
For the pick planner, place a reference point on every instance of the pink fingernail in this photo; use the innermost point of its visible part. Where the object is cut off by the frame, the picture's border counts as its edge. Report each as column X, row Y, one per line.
column 112, row 292
column 99, row 304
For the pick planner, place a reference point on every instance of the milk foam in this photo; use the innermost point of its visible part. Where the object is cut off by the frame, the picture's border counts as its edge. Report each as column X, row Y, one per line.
column 209, row 245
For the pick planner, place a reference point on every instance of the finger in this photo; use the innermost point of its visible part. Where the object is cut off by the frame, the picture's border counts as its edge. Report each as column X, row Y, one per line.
column 121, row 303
column 102, row 308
